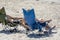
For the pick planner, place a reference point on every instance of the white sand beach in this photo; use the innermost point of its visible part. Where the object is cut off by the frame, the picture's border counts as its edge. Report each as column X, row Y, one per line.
column 43, row 9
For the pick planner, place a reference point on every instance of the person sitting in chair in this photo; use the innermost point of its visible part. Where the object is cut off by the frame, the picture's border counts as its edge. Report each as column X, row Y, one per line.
column 41, row 22
column 31, row 22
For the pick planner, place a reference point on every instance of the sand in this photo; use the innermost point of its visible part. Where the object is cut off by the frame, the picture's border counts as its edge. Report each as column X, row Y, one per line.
column 43, row 9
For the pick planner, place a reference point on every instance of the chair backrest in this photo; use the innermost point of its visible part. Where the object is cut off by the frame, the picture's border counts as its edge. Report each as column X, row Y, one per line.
column 2, row 15
column 29, row 16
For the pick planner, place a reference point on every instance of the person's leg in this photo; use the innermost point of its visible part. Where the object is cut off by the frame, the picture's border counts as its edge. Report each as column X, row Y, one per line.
column 40, row 31
column 25, row 26
column 23, row 23
column 40, row 27
column 47, row 27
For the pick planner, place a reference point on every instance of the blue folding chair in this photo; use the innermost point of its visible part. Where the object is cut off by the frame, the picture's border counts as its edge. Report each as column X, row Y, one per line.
column 29, row 17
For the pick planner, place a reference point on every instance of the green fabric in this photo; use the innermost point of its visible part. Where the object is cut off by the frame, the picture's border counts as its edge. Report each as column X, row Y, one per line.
column 2, row 15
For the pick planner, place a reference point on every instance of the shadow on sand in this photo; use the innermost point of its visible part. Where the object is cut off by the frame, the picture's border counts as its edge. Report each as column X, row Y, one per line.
column 12, row 31
column 41, row 35
column 33, row 35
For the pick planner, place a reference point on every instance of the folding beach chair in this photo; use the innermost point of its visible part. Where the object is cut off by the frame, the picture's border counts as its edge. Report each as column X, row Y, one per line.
column 2, row 17
column 29, row 17
column 6, row 22
column 31, row 21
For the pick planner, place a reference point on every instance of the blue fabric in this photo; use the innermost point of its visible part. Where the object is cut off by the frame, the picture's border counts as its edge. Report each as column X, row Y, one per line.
column 29, row 17
column 36, row 26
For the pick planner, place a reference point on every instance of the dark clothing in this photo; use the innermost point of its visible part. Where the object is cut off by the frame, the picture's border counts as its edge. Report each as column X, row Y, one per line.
column 42, row 24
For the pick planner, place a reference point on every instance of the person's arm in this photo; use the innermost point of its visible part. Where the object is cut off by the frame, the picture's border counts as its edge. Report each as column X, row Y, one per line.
column 43, row 20
column 48, row 21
